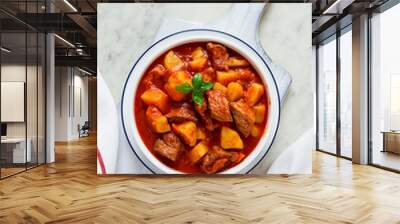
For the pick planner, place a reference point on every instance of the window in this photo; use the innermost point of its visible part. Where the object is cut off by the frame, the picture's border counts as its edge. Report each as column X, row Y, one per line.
column 385, row 89
column 327, row 96
column 394, row 102
column 22, row 77
column 346, row 93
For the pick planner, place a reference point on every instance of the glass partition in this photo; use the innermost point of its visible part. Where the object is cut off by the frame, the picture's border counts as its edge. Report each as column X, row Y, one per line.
column 32, row 86
column 41, row 111
column 385, row 89
column 32, row 96
column 13, row 105
column 346, row 93
column 23, row 90
column 327, row 96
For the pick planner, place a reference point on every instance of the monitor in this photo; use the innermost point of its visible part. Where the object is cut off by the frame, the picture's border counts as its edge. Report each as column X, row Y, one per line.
column 3, row 129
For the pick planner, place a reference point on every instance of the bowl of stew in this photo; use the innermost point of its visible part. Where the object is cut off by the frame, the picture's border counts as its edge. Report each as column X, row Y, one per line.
column 200, row 106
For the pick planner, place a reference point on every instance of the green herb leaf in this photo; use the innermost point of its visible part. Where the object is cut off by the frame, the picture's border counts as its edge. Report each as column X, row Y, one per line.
column 197, row 81
column 198, row 88
column 206, row 86
column 184, row 88
column 197, row 97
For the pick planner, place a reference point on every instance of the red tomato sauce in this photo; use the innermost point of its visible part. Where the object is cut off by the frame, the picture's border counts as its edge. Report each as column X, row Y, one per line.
column 149, row 137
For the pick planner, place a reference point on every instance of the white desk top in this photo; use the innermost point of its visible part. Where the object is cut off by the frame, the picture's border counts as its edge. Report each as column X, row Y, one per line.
column 13, row 140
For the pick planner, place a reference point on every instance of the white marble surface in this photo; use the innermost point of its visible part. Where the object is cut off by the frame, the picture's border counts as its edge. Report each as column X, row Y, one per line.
column 126, row 30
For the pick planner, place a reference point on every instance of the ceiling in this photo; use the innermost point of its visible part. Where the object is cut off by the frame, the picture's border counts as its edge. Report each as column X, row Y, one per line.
column 76, row 22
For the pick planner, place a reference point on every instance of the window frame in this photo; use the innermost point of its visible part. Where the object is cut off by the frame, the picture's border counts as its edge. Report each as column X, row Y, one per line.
column 334, row 37
column 381, row 9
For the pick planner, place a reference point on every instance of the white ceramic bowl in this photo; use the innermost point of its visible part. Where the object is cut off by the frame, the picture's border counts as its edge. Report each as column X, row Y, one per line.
column 189, row 36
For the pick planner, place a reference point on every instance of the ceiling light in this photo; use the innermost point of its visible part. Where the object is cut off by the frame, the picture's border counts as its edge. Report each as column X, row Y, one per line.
column 5, row 50
column 84, row 71
column 65, row 41
column 70, row 5
column 338, row 6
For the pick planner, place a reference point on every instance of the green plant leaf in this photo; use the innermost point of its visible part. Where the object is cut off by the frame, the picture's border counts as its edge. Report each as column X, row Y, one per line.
column 197, row 97
column 206, row 86
column 198, row 88
column 197, row 81
column 184, row 88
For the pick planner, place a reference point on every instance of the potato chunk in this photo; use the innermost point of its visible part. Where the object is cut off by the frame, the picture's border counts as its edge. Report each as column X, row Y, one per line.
column 174, row 80
column 226, row 77
column 198, row 152
column 237, row 62
column 172, row 62
column 156, row 120
column 220, row 87
column 201, row 133
column 155, row 96
column 234, row 92
column 259, row 111
column 254, row 93
column 200, row 59
column 230, row 139
column 255, row 131
column 187, row 131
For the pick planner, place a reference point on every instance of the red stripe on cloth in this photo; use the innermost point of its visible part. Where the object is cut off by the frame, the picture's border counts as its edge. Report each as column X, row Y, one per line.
column 101, row 162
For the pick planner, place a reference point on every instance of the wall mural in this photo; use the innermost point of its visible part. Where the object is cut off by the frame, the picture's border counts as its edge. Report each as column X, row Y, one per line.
column 186, row 93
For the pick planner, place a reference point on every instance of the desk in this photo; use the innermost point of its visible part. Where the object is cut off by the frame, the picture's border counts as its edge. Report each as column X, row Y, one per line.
column 15, row 148
column 391, row 141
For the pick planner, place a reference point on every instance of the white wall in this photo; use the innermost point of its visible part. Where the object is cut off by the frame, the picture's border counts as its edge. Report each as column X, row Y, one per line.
column 33, row 126
column 62, row 81
column 12, row 73
column 71, row 94
column 16, row 73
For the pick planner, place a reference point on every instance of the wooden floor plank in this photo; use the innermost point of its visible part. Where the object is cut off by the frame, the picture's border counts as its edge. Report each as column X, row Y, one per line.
column 69, row 191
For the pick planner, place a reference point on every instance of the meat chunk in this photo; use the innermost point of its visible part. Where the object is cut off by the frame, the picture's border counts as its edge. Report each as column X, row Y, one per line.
column 156, row 77
column 219, row 56
column 246, row 77
column 169, row 147
column 244, row 116
column 217, row 159
column 159, row 72
column 173, row 141
column 181, row 114
column 202, row 111
column 219, row 106
column 208, row 74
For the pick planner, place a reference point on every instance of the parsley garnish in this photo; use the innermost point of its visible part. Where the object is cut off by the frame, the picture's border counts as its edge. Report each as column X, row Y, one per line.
column 198, row 88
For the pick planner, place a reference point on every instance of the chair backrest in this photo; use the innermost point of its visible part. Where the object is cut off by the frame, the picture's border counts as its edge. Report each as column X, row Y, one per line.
column 86, row 124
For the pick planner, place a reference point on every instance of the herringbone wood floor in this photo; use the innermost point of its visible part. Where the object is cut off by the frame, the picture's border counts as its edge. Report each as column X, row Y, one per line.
column 69, row 191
